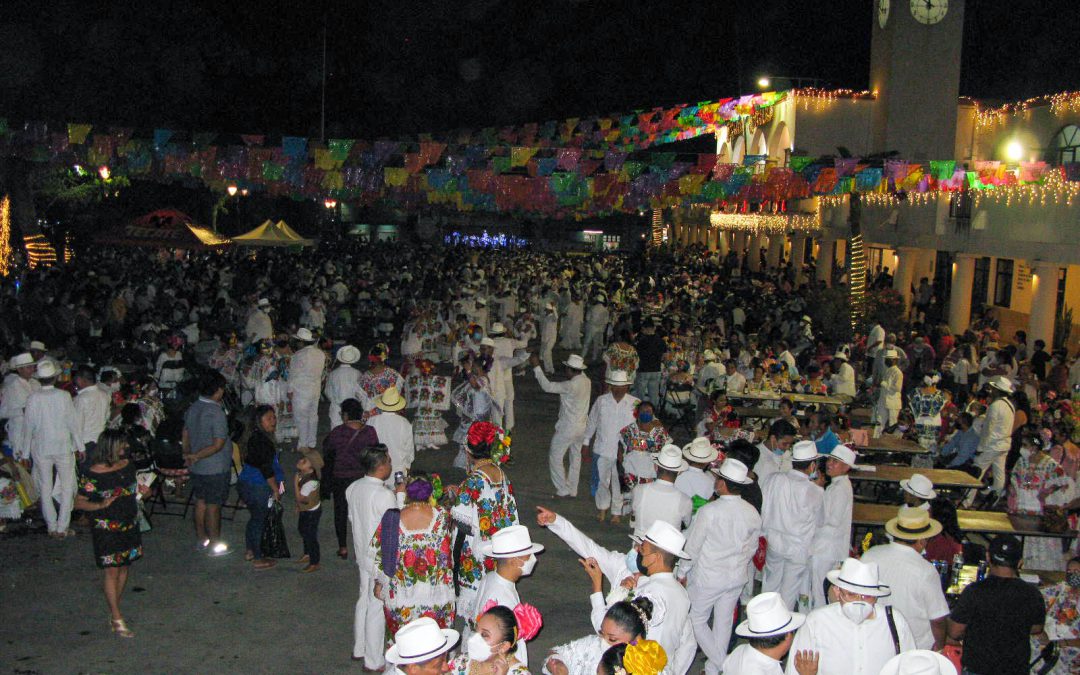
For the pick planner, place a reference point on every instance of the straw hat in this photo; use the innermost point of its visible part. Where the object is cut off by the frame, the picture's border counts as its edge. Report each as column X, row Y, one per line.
column 858, row 577
column 912, row 523
column 421, row 640
column 46, row 369
column 1002, row 383
column 36, row 346
column 21, row 361
column 670, row 457
column 510, row 542
column 920, row 486
column 576, row 362
column 709, row 356
column 487, row 342
column 664, row 535
column 618, row 378
column 304, row 335
column 734, row 471
column 804, row 451
column 390, row 400
column 919, row 662
column 348, row 355
column 700, row 450
column 497, row 329
column 263, row 303
column 766, row 616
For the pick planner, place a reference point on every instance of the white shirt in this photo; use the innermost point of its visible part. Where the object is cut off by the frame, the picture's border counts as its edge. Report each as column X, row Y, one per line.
column 846, row 648
column 695, row 482
column 659, row 500
column 746, row 660
column 996, row 432
column 892, row 383
column 843, row 382
column 916, row 588
column 672, row 629
column 723, row 538
column 573, row 399
column 50, row 424
column 504, row 592
column 258, row 326
column 92, row 407
column 343, row 383
column 734, row 383
column 396, row 433
column 368, row 500
column 833, row 535
column 791, row 512
column 606, row 419
column 305, row 371
column 877, row 334
column 769, row 462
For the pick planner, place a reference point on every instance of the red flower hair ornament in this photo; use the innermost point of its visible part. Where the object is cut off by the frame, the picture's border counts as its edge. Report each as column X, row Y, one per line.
column 528, row 618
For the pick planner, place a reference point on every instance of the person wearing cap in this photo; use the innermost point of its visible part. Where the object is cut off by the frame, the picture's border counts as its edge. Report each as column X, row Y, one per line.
column 574, row 393
column 420, row 648
column 18, row 385
column 695, row 481
column 394, row 431
column 507, row 355
column 611, row 412
column 841, row 381
column 646, row 570
column 773, row 455
column 515, row 557
column 769, row 630
column 343, row 382
column 305, row 380
column 995, row 438
column 792, row 509
column 996, row 616
column 596, row 321
column 549, row 330
column 854, row 636
column 919, row 662
column 915, row 582
column 50, row 433
column 38, row 350
column 889, row 399
column 831, row 539
column 259, row 326
column 660, row 499
column 721, row 542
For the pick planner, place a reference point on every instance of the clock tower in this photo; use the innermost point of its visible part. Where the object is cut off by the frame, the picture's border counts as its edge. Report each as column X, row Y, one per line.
column 915, row 70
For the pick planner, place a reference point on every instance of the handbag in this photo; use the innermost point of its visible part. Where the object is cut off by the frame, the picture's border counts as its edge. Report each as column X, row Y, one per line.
column 273, row 542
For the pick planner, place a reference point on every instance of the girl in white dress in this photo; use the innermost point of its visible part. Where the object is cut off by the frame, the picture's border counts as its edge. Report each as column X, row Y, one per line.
column 624, row 623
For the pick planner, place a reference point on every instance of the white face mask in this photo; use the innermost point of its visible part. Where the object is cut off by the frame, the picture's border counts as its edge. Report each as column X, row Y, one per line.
column 477, row 648
column 529, row 566
column 857, row 611
column 1025, row 452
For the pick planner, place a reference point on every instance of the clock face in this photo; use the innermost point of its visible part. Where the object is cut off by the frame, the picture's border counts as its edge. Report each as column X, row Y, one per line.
column 929, row 12
column 882, row 12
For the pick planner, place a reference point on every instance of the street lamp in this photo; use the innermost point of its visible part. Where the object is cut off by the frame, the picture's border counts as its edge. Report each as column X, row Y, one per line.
column 1014, row 151
column 104, row 172
column 231, row 190
column 764, row 83
column 329, row 202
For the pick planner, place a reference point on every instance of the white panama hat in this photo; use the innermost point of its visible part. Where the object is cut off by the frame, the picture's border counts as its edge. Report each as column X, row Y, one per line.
column 670, row 457
column 858, row 577
column 766, row 616
column 575, row 361
column 21, row 361
column 734, row 471
column 421, row 640
column 920, row 486
column 700, row 450
column 618, row 378
column 510, row 542
column 663, row 535
column 919, row 662
column 348, row 355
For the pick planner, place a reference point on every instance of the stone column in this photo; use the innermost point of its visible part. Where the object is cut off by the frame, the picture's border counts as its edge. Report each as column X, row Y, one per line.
column 776, row 249
column 798, row 256
column 826, row 256
column 963, row 278
column 755, row 252
column 723, row 246
column 1043, row 302
column 907, row 260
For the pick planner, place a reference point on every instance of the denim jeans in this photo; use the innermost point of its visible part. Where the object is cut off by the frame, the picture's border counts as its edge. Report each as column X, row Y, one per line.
column 308, row 526
column 256, row 497
column 647, row 386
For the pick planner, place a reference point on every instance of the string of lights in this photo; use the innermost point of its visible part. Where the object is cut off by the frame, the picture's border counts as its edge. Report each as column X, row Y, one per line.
column 656, row 239
column 5, row 236
column 772, row 223
column 39, row 251
column 857, row 280
column 820, row 99
column 1060, row 103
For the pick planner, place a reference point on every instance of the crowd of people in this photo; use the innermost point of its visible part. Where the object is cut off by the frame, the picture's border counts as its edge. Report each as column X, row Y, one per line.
column 166, row 372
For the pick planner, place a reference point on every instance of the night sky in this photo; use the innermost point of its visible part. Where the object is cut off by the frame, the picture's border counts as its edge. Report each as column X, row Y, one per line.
column 402, row 67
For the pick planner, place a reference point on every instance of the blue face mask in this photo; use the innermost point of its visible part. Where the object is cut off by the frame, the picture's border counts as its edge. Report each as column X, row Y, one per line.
column 633, row 562
column 645, row 417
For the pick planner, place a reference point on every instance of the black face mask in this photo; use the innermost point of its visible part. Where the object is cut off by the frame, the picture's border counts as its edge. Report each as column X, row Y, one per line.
column 641, row 566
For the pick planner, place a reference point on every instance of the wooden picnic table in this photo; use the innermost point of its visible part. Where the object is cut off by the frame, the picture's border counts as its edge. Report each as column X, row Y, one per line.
column 757, row 413
column 983, row 522
column 796, row 398
column 891, row 444
column 942, row 478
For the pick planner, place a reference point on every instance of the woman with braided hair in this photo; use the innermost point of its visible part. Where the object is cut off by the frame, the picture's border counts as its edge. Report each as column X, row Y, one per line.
column 624, row 623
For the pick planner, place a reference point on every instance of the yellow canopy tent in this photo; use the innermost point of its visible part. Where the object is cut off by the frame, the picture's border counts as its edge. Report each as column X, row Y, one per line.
column 272, row 234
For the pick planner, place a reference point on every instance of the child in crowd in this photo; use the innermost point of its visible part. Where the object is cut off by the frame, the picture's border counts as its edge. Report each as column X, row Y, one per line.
column 308, row 503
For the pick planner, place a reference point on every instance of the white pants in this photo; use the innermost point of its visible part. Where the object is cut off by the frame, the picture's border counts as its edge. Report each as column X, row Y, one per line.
column 996, row 461
column 563, row 442
column 545, row 356
column 609, row 493
column 503, row 414
column 719, row 603
column 306, row 414
column 61, row 488
column 820, row 565
column 594, row 343
column 335, row 414
column 789, row 578
column 884, row 417
column 369, row 625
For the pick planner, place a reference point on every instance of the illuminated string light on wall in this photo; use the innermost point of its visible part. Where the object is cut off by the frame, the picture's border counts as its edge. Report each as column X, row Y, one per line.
column 857, row 280
column 1055, row 191
column 69, row 247
column 820, row 99
column 5, row 236
column 39, row 252
column 772, row 223
column 1060, row 103
column 656, row 235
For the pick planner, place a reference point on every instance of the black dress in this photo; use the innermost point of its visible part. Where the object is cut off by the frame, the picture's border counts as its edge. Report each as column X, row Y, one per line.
column 116, row 536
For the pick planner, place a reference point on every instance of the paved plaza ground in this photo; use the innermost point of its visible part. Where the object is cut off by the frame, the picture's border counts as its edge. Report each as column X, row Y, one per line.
column 194, row 614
